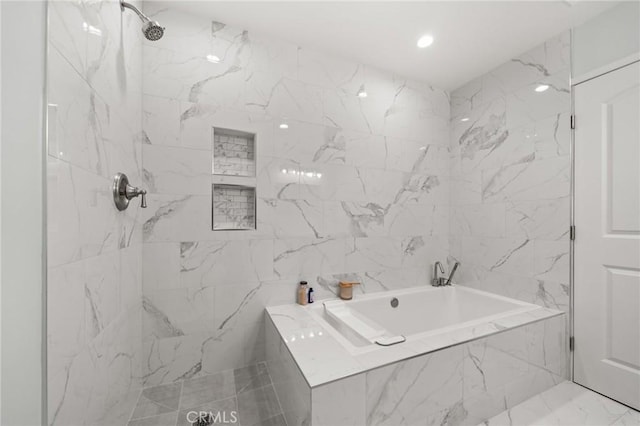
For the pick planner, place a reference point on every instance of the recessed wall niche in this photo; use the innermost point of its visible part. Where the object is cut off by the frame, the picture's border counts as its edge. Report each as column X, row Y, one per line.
column 233, row 180
column 234, row 207
column 234, row 152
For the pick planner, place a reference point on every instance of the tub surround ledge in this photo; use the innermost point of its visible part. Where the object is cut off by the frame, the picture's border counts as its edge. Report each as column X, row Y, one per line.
column 322, row 359
column 463, row 376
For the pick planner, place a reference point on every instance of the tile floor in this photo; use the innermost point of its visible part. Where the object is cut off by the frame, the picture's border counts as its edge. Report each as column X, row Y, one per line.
column 567, row 404
column 249, row 392
column 246, row 391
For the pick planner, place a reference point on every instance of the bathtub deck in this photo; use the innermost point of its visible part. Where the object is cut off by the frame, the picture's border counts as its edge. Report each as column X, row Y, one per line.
column 323, row 359
column 567, row 404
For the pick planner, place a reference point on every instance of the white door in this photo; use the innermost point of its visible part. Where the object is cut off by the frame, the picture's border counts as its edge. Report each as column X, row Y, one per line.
column 607, row 242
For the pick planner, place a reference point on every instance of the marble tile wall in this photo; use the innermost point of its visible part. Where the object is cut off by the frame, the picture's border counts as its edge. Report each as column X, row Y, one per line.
column 94, row 319
column 461, row 385
column 369, row 199
column 510, row 177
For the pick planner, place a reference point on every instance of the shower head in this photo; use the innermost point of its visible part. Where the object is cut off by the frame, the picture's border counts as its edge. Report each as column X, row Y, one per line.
column 151, row 29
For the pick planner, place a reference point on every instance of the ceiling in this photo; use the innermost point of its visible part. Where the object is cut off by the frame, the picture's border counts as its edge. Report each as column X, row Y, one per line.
column 471, row 37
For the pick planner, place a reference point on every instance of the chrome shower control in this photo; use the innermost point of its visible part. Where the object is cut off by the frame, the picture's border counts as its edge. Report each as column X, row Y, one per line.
column 123, row 192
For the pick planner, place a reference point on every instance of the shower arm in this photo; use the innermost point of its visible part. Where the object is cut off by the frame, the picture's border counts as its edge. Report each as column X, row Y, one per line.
column 141, row 15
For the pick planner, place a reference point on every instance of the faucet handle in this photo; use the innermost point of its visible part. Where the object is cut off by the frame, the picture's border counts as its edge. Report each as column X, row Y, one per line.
column 123, row 192
column 453, row 271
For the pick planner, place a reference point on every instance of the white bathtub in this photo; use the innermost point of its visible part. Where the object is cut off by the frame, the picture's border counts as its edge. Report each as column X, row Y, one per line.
column 369, row 322
column 465, row 355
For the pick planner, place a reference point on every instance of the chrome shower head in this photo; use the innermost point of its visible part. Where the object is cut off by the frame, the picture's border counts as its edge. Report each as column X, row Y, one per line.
column 151, row 29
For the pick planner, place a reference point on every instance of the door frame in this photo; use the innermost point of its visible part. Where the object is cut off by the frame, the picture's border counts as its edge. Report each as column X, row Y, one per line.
column 573, row 83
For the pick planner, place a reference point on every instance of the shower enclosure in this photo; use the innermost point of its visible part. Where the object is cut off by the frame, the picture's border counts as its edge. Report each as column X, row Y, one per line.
column 257, row 163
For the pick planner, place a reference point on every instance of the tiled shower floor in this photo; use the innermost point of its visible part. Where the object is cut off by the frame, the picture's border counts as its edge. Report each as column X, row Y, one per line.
column 567, row 404
column 248, row 391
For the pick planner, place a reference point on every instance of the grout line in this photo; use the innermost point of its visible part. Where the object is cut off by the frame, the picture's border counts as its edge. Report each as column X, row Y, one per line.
column 276, row 393
column 135, row 406
column 179, row 402
column 156, row 403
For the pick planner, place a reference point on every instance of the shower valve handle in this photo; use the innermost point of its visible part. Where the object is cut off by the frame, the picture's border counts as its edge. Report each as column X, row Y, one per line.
column 132, row 192
column 123, row 192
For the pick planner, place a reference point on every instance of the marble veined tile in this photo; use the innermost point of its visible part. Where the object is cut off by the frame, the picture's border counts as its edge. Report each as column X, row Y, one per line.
column 216, row 263
column 251, row 377
column 481, row 220
column 157, row 400
column 542, row 61
column 82, row 119
column 225, row 410
column 176, row 218
column 332, row 73
column 168, row 419
column 340, row 403
column 65, row 307
column 566, row 404
column 529, row 180
column 309, row 143
column 294, row 258
column 288, row 218
column 201, row 390
column 551, row 260
column 424, row 389
column 284, row 97
column 178, row 311
column 169, row 170
column 257, row 405
column 539, row 219
column 630, row 418
column 160, row 266
column 178, row 74
column 500, row 254
column 527, row 105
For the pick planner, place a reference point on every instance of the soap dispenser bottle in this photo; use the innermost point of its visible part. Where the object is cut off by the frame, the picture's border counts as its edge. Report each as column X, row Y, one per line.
column 302, row 293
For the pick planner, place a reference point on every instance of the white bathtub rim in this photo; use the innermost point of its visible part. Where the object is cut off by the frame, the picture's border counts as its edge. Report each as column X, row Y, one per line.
column 523, row 307
column 332, row 361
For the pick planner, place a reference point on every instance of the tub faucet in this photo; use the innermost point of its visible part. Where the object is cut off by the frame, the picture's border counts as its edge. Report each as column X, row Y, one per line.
column 442, row 281
column 437, row 281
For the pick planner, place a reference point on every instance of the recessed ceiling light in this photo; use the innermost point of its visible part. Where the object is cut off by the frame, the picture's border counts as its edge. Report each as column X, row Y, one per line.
column 464, row 119
column 425, row 41
column 542, row 88
column 213, row 58
column 284, row 126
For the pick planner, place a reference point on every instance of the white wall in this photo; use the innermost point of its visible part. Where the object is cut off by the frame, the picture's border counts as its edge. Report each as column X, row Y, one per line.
column 95, row 257
column 22, row 148
column 607, row 38
column 510, row 169
column 377, row 215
